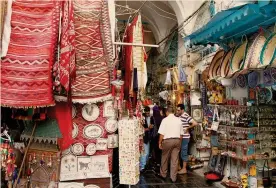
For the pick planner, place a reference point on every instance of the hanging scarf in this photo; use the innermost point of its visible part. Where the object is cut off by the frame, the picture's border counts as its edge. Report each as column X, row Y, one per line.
column 168, row 78
column 67, row 68
column 182, row 74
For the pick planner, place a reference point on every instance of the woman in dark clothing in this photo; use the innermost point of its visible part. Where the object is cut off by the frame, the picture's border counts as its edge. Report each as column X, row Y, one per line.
column 158, row 115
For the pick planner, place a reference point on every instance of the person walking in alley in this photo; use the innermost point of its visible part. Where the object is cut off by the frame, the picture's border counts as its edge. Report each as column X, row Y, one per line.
column 187, row 123
column 148, row 125
column 170, row 142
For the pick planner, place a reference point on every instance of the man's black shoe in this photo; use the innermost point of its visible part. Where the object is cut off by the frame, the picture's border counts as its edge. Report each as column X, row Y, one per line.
column 161, row 177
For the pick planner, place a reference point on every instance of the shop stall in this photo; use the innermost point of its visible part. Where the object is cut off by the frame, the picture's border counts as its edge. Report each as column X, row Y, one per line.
column 238, row 95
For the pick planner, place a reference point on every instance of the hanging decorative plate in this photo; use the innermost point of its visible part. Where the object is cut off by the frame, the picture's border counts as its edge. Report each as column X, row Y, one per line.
column 265, row 95
column 111, row 125
column 92, row 131
column 253, row 79
column 91, row 149
column 90, row 112
column 77, row 149
column 112, row 141
column 268, row 81
column 74, row 111
column 75, row 130
column 101, row 144
column 108, row 110
column 91, row 186
column 273, row 73
column 241, row 81
column 273, row 87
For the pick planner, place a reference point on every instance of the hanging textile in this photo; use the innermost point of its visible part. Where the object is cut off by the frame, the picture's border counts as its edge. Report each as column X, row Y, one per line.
column 168, row 78
column 134, row 63
column 62, row 112
column 127, row 61
column 26, row 79
column 5, row 25
column 139, row 55
column 182, row 74
column 94, row 63
column 112, row 18
column 65, row 67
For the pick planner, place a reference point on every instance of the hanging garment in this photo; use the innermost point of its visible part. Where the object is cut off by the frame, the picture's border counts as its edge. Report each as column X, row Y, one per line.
column 26, row 79
column 93, row 52
column 134, row 57
column 138, row 53
column 65, row 67
column 182, row 74
column 168, row 78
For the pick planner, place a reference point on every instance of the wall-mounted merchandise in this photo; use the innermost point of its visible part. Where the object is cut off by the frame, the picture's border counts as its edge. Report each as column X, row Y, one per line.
column 84, row 167
column 129, row 151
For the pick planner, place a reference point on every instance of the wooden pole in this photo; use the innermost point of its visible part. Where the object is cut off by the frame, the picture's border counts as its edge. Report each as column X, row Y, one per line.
column 25, row 155
column 135, row 44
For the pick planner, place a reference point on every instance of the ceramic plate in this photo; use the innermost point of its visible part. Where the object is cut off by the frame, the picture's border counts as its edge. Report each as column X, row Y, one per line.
column 75, row 130
column 91, row 149
column 92, row 131
column 273, row 87
column 265, row 95
column 74, row 111
column 268, row 80
column 77, row 149
column 111, row 125
column 241, row 81
column 90, row 112
column 253, row 79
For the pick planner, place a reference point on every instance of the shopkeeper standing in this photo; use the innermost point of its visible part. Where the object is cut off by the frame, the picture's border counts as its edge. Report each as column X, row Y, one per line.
column 148, row 125
column 187, row 123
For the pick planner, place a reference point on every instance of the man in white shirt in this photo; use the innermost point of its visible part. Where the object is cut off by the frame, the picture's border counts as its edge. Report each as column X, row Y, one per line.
column 169, row 142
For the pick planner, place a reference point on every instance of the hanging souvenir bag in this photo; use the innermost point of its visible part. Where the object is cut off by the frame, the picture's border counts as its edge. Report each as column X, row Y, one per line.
column 215, row 123
column 266, row 179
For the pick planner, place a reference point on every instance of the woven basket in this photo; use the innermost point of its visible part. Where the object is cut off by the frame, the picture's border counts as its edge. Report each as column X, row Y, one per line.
column 214, row 70
column 238, row 57
column 225, row 71
column 268, row 53
column 252, row 60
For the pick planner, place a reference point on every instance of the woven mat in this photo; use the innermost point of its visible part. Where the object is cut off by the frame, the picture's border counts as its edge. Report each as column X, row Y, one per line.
column 26, row 79
column 81, row 123
column 93, row 52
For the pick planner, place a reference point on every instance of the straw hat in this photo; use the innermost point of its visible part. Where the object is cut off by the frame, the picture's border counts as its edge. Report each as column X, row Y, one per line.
column 214, row 69
column 238, row 57
column 268, row 54
column 225, row 71
column 252, row 60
